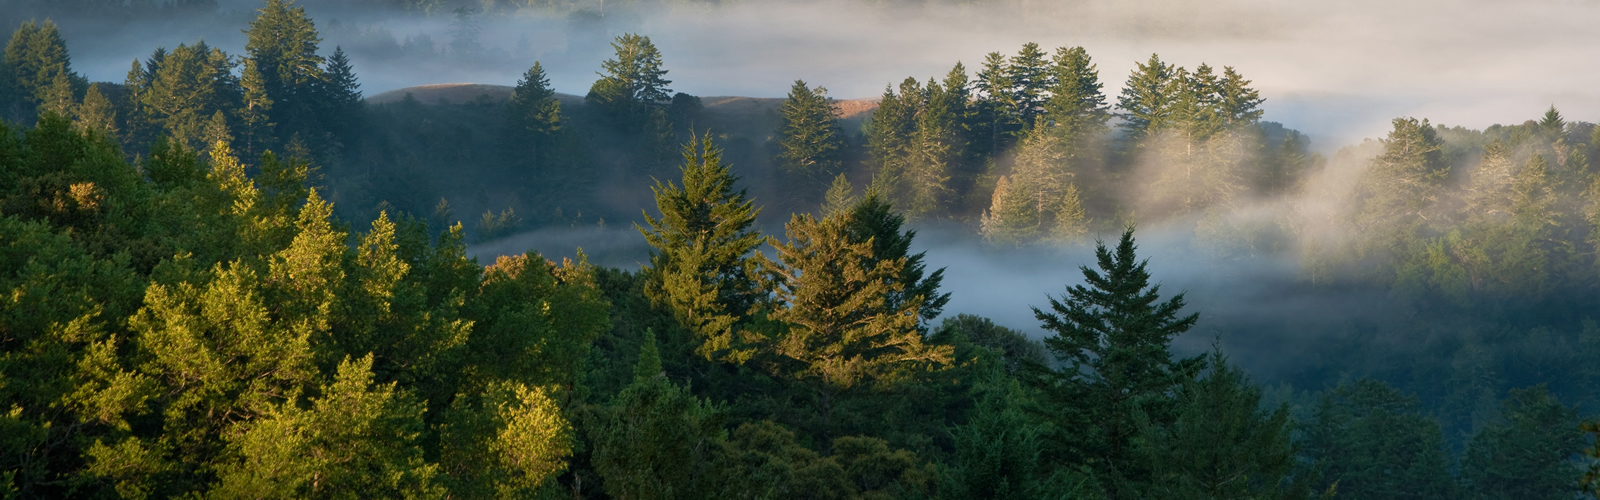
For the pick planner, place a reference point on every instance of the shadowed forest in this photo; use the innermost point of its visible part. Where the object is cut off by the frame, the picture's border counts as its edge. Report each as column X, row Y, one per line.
column 237, row 275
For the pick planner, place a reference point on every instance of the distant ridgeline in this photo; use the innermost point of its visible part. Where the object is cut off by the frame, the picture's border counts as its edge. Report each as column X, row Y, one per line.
column 232, row 276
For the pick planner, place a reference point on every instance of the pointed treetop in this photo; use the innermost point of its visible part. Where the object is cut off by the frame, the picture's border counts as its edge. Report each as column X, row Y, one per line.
column 649, row 366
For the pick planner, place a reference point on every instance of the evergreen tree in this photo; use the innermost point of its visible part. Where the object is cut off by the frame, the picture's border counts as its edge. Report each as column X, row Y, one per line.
column 97, row 112
column 997, row 107
column 873, row 220
column 1528, row 453
column 1031, row 78
column 633, row 84
column 38, row 62
column 283, row 74
column 657, row 440
column 1145, row 102
column 936, row 150
column 810, row 140
column 837, row 331
column 1239, row 104
column 189, row 85
column 1111, row 337
column 702, row 242
column 341, row 95
column 533, row 112
column 1077, row 107
column 1222, row 443
column 1397, row 195
column 889, row 133
column 1372, row 442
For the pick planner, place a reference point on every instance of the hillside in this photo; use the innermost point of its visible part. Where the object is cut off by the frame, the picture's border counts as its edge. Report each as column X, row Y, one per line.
column 730, row 112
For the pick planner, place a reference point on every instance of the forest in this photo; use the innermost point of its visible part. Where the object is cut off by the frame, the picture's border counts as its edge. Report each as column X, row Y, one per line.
column 235, row 275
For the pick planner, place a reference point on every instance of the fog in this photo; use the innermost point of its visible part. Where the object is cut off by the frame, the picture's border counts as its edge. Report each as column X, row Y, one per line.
column 1335, row 70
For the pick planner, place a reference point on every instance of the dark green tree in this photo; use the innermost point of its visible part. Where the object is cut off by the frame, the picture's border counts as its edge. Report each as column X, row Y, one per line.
column 1145, row 102
column 1528, row 453
column 533, row 113
column 633, row 84
column 1222, row 443
column 810, row 141
column 1370, row 441
column 1111, row 336
column 873, row 220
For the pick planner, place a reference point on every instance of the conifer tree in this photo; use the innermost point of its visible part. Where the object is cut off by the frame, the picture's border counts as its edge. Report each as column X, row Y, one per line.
column 997, row 105
column 810, row 140
column 1222, row 444
column 873, row 220
column 1031, row 80
column 38, row 61
column 1396, row 197
column 283, row 74
column 889, row 134
column 1527, row 454
column 1117, row 375
column 533, row 112
column 97, row 113
column 702, row 242
column 1239, row 104
column 838, row 330
column 633, row 84
column 1145, row 102
column 936, row 150
column 657, row 440
column 340, row 94
column 1077, row 107
column 1376, row 443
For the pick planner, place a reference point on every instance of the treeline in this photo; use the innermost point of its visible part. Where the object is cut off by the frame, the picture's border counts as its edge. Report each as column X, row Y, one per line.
column 188, row 314
column 177, row 327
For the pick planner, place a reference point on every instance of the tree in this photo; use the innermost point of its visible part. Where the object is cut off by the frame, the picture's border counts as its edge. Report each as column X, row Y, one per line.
column 533, row 112
column 1077, row 107
column 1111, row 337
column 889, row 133
column 1528, row 453
column 810, row 141
column 1373, row 442
column 341, row 95
column 1222, row 443
column 633, row 83
column 1031, row 80
column 189, row 85
column 358, row 436
column 699, row 268
column 1397, row 195
column 656, row 440
column 1146, row 103
column 97, row 113
column 837, row 331
column 282, row 72
column 38, row 61
column 873, row 220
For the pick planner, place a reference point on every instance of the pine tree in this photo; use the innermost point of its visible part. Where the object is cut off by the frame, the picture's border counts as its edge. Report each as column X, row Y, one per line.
column 633, row 83
column 702, row 242
column 533, row 112
column 97, row 113
column 1239, row 104
column 340, row 93
column 283, row 73
column 1222, row 444
column 810, row 140
column 1145, row 102
column 1527, row 454
column 657, row 440
column 38, row 62
column 1373, row 442
column 1111, row 337
column 937, row 146
column 1077, row 107
column 839, row 332
column 1013, row 216
column 1031, row 79
column 873, row 220
column 997, row 106
column 889, row 134
column 1396, row 197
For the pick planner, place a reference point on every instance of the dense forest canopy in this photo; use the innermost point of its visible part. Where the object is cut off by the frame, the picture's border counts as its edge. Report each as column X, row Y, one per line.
column 230, row 274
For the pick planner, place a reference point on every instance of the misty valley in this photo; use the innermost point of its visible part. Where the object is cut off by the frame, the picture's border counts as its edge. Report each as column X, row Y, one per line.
column 246, row 271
